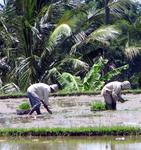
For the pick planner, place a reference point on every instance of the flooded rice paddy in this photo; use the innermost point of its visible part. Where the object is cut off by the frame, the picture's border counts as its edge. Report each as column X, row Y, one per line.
column 71, row 143
column 73, row 111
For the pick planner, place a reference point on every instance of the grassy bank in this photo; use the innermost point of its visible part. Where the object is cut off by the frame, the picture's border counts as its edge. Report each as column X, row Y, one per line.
column 20, row 95
column 92, row 131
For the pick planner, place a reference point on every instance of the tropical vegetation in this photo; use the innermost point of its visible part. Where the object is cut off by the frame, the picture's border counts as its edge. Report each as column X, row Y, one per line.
column 81, row 45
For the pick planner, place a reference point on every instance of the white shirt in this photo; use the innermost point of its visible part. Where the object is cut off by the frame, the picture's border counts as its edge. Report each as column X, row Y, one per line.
column 113, row 88
column 40, row 90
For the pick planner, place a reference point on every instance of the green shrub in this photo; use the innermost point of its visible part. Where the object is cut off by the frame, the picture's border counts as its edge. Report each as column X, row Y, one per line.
column 24, row 106
column 97, row 106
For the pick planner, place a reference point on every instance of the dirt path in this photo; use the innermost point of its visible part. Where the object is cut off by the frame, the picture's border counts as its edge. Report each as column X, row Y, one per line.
column 73, row 111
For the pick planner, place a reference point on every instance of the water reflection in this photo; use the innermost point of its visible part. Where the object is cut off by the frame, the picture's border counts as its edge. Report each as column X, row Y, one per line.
column 70, row 143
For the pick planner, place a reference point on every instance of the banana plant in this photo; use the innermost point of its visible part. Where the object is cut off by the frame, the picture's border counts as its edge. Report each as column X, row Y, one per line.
column 51, row 31
column 93, row 81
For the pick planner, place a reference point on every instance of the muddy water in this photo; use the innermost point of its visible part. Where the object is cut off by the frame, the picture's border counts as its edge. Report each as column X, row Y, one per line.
column 72, row 111
column 71, row 143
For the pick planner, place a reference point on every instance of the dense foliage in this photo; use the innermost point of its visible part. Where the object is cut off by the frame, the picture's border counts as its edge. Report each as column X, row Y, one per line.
column 81, row 45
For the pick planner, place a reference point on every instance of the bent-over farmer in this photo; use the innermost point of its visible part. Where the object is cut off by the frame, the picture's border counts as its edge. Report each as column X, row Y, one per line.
column 112, row 93
column 39, row 93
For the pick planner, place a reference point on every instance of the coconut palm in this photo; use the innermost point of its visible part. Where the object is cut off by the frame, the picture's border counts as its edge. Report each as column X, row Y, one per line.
column 50, row 33
column 130, row 27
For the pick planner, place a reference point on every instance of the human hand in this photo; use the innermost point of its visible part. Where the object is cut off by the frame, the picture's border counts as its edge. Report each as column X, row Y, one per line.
column 122, row 100
column 50, row 111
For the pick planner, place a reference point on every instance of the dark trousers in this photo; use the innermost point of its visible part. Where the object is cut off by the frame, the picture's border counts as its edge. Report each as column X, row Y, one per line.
column 35, row 103
column 110, row 103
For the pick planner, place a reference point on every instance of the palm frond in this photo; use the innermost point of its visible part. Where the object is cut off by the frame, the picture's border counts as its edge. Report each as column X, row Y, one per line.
column 44, row 23
column 9, row 88
column 79, row 40
column 25, row 71
column 51, row 73
column 103, row 34
column 3, row 20
column 75, row 3
column 58, row 35
column 22, row 67
column 132, row 51
column 25, row 79
column 118, row 7
column 94, row 12
column 80, row 37
column 76, row 64
column 70, row 82
column 29, row 9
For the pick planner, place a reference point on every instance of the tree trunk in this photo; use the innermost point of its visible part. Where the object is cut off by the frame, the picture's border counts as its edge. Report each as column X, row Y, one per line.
column 107, row 12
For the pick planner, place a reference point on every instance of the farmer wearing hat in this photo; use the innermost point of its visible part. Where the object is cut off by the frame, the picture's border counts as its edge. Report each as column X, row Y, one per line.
column 112, row 93
column 39, row 93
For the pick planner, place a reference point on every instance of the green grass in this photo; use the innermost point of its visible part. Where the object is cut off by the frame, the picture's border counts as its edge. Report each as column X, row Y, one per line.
column 14, row 95
column 91, row 131
column 97, row 106
column 60, row 93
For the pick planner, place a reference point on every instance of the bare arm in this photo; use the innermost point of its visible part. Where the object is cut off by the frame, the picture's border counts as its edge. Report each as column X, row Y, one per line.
column 121, row 99
column 46, row 106
column 118, row 97
column 115, row 96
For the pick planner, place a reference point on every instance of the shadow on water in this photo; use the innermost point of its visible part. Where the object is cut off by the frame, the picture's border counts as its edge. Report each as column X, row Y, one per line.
column 71, row 143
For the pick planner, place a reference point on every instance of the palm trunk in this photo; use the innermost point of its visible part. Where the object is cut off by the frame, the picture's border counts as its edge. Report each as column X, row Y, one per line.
column 107, row 12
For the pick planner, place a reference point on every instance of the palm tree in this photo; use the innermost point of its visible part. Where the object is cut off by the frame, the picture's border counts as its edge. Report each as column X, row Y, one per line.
column 49, row 35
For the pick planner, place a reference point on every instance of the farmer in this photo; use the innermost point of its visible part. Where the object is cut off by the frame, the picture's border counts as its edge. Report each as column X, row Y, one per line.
column 112, row 93
column 38, row 93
